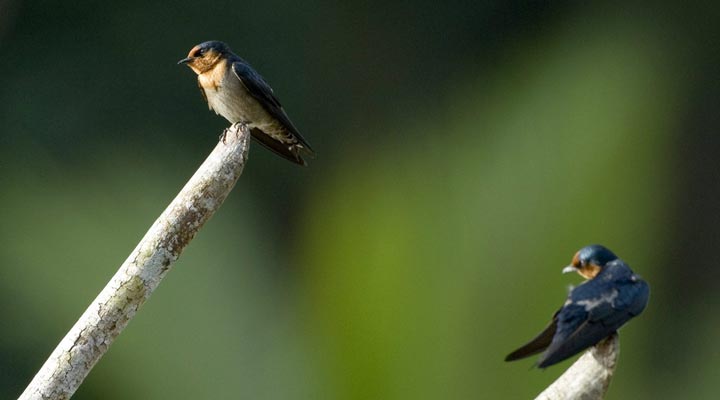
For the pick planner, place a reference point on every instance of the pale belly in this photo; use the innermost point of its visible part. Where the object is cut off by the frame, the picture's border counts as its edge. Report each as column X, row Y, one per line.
column 231, row 100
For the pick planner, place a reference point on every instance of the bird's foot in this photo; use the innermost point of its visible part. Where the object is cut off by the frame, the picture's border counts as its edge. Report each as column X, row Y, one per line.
column 223, row 135
column 236, row 127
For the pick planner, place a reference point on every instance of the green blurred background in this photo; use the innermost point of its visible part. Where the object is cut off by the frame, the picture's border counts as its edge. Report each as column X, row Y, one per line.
column 465, row 150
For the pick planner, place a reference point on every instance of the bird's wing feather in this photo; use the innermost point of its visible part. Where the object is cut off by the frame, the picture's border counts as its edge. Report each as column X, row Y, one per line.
column 263, row 93
column 588, row 333
column 536, row 345
column 277, row 146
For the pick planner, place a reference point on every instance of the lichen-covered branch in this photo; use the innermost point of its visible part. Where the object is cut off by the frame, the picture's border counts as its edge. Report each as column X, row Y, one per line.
column 141, row 273
column 589, row 377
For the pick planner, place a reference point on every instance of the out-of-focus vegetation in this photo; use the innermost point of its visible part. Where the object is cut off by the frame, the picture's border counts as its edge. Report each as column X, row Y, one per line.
column 466, row 151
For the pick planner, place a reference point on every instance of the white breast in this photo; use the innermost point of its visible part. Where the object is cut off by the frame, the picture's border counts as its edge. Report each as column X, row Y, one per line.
column 229, row 98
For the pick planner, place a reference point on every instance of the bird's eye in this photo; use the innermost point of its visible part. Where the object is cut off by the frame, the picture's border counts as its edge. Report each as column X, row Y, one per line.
column 199, row 53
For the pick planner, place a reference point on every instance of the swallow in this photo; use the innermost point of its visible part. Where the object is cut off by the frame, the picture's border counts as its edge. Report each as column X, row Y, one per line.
column 595, row 309
column 234, row 90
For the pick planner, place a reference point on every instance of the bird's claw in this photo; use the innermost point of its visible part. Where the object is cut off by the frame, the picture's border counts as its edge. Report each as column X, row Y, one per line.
column 223, row 135
column 237, row 127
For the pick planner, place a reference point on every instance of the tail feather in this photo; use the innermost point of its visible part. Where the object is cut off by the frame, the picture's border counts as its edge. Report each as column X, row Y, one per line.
column 289, row 152
column 536, row 345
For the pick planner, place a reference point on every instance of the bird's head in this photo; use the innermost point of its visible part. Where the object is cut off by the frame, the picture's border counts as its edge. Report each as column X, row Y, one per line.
column 590, row 260
column 205, row 56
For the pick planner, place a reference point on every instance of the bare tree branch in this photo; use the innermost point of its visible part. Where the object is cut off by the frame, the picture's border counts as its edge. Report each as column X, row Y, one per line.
column 141, row 273
column 589, row 377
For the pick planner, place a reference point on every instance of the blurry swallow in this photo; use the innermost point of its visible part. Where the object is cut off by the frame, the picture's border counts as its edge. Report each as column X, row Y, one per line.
column 234, row 90
column 594, row 310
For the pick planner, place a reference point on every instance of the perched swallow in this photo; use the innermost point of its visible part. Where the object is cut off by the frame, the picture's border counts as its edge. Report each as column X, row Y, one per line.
column 595, row 309
column 234, row 90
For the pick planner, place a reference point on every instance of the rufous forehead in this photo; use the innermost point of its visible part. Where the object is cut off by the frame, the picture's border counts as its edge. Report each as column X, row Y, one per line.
column 576, row 259
column 193, row 50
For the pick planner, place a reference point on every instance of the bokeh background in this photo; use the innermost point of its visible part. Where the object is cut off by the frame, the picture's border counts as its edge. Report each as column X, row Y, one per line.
column 466, row 150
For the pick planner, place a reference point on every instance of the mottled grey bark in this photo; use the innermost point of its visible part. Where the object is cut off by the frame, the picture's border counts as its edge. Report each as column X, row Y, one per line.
column 589, row 377
column 141, row 273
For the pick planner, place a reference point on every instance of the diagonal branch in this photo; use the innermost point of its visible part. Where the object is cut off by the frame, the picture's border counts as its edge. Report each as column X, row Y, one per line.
column 143, row 270
column 589, row 377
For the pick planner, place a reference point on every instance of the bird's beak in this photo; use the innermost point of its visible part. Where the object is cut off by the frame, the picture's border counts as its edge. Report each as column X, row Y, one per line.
column 186, row 60
column 568, row 269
